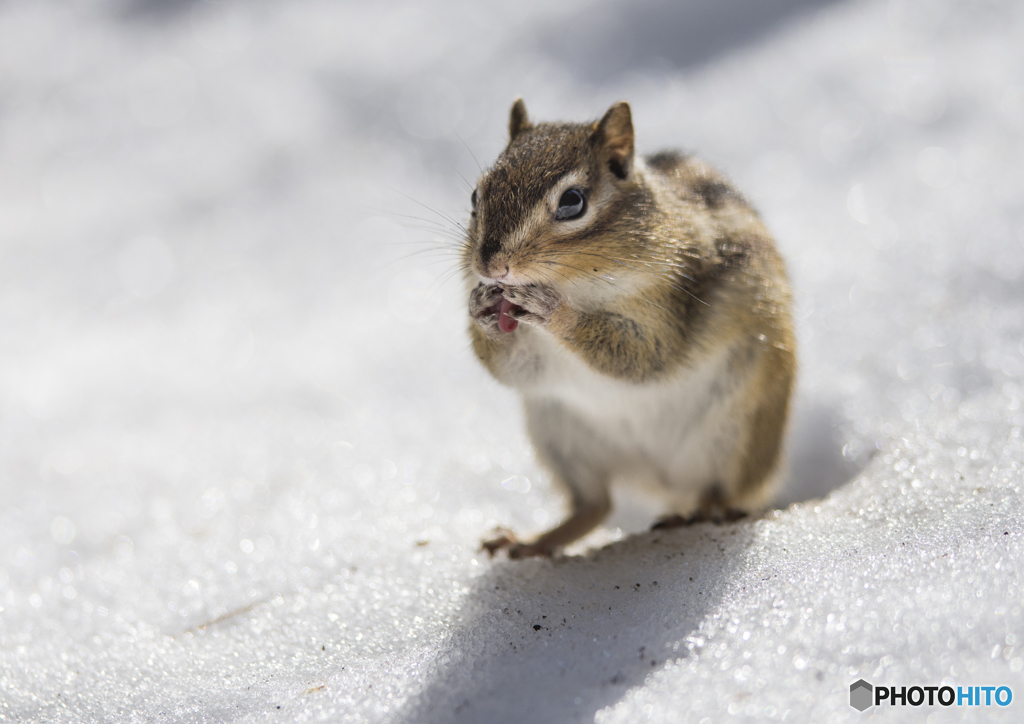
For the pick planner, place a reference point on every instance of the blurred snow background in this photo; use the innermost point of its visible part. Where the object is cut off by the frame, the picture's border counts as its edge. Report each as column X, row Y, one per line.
column 246, row 457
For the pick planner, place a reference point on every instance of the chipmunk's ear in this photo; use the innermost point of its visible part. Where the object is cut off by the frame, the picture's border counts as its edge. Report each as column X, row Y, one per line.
column 613, row 139
column 518, row 121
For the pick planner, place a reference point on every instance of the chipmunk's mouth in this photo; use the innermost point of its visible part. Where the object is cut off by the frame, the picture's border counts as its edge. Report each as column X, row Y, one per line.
column 505, row 322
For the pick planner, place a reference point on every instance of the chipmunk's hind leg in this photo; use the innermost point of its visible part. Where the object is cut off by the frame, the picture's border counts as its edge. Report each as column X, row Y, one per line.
column 582, row 520
column 580, row 463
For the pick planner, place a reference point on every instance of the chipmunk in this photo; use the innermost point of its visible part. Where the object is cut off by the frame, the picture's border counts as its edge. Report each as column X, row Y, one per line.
column 639, row 306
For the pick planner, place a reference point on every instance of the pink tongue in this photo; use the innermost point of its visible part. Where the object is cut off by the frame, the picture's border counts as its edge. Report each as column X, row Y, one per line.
column 505, row 322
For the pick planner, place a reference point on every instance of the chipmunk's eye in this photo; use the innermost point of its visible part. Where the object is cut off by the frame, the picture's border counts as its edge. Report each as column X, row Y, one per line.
column 472, row 199
column 571, row 205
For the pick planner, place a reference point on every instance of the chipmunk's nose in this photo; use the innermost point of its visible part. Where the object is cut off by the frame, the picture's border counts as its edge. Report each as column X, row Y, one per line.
column 491, row 263
column 494, row 272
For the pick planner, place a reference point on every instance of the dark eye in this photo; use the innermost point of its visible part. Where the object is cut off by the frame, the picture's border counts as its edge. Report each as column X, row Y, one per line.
column 472, row 199
column 571, row 205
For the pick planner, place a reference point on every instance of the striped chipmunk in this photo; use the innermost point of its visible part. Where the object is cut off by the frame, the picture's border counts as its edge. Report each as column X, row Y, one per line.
column 639, row 306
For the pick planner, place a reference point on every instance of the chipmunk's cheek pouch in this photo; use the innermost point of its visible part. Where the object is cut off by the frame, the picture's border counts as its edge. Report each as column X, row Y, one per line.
column 505, row 322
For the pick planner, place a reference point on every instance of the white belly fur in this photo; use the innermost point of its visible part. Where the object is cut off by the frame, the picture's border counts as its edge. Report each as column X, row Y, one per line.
column 676, row 437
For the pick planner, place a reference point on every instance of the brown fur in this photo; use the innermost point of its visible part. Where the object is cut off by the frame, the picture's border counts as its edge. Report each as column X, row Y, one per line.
column 671, row 265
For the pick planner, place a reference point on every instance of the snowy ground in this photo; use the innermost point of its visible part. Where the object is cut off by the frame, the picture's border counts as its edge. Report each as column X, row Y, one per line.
column 246, row 457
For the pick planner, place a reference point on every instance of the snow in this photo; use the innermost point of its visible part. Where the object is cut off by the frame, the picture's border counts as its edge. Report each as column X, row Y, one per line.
column 246, row 457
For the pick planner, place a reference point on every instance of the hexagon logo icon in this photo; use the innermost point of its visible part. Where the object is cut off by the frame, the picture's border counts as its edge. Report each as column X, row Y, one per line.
column 860, row 694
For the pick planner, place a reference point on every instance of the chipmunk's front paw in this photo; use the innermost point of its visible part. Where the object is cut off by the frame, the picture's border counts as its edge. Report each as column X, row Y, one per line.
column 484, row 305
column 534, row 303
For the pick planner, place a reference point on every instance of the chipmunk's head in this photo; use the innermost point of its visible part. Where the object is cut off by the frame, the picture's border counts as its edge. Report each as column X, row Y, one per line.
column 555, row 202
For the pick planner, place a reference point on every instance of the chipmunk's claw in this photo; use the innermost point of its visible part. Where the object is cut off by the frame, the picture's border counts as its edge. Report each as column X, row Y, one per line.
column 537, row 303
column 515, row 548
column 484, row 305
